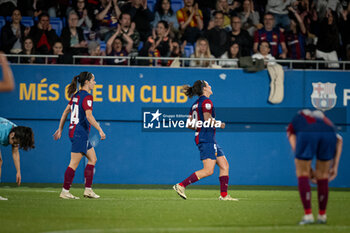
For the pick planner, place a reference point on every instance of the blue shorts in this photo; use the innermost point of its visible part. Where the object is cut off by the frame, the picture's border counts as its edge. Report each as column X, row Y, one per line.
column 209, row 151
column 80, row 144
column 319, row 144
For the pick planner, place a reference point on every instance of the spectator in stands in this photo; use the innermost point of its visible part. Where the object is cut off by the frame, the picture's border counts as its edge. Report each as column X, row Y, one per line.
column 273, row 35
column 115, row 47
column 328, row 40
column 12, row 34
column 249, row 18
column 127, row 27
column 232, row 53
column 279, row 9
column 163, row 11
column 94, row 49
column 264, row 53
column 158, row 45
column 85, row 21
column 344, row 26
column 7, row 7
column 73, row 36
column 206, row 6
column 29, row 49
column 202, row 50
column 107, row 16
column 190, row 19
column 176, row 50
column 227, row 10
column 218, row 37
column 63, row 58
column 241, row 36
column 43, row 35
column 141, row 15
column 295, row 37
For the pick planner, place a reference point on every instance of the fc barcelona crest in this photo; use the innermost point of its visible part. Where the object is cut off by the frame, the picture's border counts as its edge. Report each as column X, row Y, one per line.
column 323, row 96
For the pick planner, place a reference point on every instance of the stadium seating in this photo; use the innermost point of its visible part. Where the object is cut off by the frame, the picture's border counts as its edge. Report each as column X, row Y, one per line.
column 103, row 46
column 151, row 4
column 57, row 24
column 189, row 49
column 2, row 22
column 177, row 5
column 27, row 21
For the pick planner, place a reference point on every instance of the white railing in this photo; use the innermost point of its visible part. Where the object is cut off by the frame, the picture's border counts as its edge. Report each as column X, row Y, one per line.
column 19, row 56
column 184, row 61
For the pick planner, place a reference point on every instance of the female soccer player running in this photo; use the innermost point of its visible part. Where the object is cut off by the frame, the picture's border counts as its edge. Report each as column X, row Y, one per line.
column 311, row 133
column 81, row 119
column 210, row 152
column 18, row 137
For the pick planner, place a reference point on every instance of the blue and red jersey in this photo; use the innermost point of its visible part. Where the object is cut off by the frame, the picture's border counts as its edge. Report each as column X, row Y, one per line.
column 79, row 103
column 203, row 134
column 295, row 45
column 274, row 37
column 310, row 121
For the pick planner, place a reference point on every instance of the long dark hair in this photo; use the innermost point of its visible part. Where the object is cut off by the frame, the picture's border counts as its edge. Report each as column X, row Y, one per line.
column 196, row 89
column 81, row 78
column 158, row 8
column 25, row 136
column 229, row 50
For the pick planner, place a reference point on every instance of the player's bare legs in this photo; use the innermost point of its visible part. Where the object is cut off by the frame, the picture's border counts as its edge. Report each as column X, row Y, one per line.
column 89, row 173
column 223, row 165
column 322, row 175
column 303, row 174
column 207, row 170
column 69, row 175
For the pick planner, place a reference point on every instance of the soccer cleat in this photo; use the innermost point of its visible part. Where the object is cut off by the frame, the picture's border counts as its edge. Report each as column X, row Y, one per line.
column 322, row 219
column 3, row 198
column 227, row 198
column 90, row 194
column 67, row 195
column 180, row 190
column 307, row 219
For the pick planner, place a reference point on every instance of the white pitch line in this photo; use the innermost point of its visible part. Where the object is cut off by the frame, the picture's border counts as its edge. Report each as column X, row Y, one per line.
column 207, row 229
column 29, row 190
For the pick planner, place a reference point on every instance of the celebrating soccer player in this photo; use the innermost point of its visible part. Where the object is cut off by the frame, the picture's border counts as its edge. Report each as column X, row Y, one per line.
column 311, row 133
column 81, row 119
column 210, row 152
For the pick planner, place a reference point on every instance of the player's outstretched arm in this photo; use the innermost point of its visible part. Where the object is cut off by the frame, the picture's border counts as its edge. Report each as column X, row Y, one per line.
column 16, row 161
column 94, row 123
column 334, row 169
column 8, row 82
column 57, row 135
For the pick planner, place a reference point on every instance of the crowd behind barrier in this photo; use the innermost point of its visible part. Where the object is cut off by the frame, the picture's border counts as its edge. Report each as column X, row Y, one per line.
column 298, row 30
column 184, row 61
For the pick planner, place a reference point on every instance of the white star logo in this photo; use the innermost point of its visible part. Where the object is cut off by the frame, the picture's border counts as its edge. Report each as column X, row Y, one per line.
column 156, row 115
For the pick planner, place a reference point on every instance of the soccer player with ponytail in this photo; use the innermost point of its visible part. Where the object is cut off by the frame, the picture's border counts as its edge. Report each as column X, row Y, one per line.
column 210, row 152
column 19, row 137
column 81, row 119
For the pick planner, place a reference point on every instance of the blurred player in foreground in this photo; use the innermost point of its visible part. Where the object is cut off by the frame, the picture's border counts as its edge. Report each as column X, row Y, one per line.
column 18, row 137
column 81, row 120
column 7, row 83
column 210, row 152
column 311, row 134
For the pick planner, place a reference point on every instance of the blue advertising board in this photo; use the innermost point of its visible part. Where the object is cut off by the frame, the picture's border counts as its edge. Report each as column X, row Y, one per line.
column 131, row 155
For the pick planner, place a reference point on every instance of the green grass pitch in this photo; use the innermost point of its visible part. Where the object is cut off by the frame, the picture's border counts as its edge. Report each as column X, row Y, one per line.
column 154, row 209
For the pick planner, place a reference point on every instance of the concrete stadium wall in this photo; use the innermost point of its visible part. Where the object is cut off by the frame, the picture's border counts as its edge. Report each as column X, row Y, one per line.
column 130, row 155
